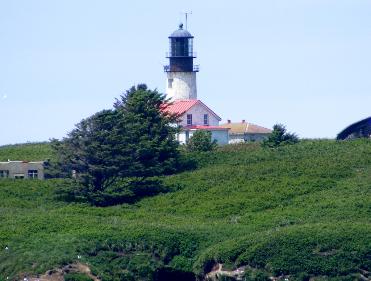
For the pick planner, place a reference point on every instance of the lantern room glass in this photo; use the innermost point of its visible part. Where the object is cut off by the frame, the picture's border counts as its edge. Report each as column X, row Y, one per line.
column 181, row 47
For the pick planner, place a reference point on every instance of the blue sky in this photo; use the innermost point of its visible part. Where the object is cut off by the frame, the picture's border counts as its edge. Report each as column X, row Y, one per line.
column 306, row 64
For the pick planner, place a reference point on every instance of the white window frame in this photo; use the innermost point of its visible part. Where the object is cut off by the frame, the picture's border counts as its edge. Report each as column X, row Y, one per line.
column 32, row 174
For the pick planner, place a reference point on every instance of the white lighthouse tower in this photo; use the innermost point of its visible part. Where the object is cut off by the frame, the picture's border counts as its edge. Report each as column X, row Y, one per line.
column 193, row 114
column 181, row 73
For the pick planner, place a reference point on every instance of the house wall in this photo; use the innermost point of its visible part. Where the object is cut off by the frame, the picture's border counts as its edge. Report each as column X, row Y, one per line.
column 198, row 112
column 19, row 167
column 221, row 136
column 181, row 137
column 237, row 138
column 183, row 86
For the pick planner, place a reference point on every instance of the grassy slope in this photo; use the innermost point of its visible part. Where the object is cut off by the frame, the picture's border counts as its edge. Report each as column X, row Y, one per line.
column 303, row 208
column 26, row 152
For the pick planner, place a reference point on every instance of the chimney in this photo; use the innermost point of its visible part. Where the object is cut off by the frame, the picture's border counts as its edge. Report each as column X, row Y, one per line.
column 229, row 121
column 243, row 121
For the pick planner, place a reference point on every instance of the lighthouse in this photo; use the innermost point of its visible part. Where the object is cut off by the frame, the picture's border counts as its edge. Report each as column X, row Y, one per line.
column 181, row 90
column 181, row 72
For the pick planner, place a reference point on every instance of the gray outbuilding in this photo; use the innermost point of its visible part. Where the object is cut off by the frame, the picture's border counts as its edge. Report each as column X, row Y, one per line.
column 22, row 169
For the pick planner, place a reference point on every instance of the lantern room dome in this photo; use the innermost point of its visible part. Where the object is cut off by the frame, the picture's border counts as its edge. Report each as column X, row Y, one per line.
column 181, row 33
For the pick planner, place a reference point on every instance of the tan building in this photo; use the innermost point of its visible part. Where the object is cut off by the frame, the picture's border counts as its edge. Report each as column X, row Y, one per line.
column 245, row 132
column 22, row 169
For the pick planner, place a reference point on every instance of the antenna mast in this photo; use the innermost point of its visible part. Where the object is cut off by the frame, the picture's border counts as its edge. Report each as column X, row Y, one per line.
column 186, row 18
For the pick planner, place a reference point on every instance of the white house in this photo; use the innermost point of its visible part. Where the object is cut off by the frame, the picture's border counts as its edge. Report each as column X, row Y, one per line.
column 181, row 89
column 195, row 115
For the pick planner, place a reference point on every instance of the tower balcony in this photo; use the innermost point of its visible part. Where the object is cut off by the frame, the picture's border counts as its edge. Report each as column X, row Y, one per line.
column 181, row 55
column 167, row 68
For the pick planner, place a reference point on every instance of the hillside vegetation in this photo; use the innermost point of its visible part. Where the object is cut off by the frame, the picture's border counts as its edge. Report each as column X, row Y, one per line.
column 26, row 152
column 301, row 211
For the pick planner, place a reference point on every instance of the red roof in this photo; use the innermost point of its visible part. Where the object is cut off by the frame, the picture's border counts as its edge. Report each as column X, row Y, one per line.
column 204, row 127
column 179, row 107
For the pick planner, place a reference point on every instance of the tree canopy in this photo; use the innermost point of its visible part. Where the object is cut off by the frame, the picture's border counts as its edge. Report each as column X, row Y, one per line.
column 279, row 137
column 121, row 147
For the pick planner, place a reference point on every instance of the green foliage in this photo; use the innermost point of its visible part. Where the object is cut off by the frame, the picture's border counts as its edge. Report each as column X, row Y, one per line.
column 299, row 210
column 27, row 152
column 127, row 190
column 150, row 136
column 132, row 142
column 256, row 275
column 201, row 141
column 76, row 277
column 181, row 263
column 279, row 137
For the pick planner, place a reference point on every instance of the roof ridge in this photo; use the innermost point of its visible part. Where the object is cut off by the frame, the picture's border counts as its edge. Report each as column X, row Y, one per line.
column 260, row 126
column 216, row 115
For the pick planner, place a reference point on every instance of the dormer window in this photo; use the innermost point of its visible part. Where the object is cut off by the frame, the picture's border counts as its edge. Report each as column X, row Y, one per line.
column 206, row 119
column 189, row 119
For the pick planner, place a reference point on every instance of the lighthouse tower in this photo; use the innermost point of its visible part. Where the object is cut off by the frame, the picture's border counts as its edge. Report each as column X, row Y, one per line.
column 181, row 73
column 193, row 114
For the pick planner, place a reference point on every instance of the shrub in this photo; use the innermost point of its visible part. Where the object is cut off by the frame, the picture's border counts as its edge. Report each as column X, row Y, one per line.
column 201, row 141
column 76, row 277
column 279, row 137
column 256, row 275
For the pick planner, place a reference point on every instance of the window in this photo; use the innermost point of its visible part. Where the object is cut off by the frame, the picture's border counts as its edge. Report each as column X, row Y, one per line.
column 32, row 174
column 4, row 173
column 19, row 176
column 170, row 83
column 206, row 119
column 189, row 119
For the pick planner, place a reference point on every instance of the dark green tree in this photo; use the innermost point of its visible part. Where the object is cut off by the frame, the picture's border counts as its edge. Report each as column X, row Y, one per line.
column 114, row 152
column 279, row 137
column 201, row 141
column 150, row 133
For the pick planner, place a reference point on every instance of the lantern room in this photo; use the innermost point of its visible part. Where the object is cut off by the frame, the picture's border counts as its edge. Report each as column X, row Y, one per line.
column 181, row 53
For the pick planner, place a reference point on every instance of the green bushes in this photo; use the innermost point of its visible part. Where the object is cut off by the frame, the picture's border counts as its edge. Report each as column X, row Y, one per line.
column 27, row 152
column 299, row 210
column 279, row 137
column 76, row 277
column 201, row 141
column 256, row 275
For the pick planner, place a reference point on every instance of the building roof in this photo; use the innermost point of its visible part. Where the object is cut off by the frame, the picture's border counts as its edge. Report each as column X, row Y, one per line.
column 245, row 128
column 205, row 127
column 359, row 129
column 180, row 107
column 22, row 162
column 181, row 33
